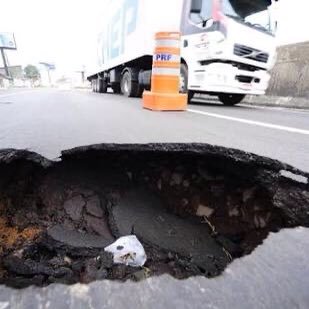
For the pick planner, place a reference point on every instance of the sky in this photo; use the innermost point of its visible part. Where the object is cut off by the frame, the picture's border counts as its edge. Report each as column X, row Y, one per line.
column 64, row 32
column 58, row 31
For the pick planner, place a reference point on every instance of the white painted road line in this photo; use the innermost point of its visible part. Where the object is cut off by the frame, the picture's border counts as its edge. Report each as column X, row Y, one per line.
column 252, row 122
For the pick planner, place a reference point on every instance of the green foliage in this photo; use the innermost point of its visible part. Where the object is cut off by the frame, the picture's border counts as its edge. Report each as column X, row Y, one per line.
column 32, row 72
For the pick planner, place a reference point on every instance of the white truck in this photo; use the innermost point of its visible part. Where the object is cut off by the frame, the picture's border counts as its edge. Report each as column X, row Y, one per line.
column 228, row 47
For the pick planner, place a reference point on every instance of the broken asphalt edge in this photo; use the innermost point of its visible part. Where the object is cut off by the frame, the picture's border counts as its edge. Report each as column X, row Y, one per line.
column 184, row 148
column 253, row 279
column 11, row 155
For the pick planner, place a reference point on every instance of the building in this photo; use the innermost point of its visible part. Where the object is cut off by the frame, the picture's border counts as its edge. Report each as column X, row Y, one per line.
column 16, row 77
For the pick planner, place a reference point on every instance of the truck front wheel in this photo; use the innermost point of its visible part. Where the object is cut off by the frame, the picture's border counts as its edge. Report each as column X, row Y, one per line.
column 231, row 99
column 183, row 82
column 129, row 87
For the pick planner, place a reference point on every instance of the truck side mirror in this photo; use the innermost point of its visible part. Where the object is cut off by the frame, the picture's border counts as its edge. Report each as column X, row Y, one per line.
column 196, row 6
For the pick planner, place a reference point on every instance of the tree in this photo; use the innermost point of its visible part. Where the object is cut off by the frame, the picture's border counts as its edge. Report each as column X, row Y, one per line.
column 32, row 73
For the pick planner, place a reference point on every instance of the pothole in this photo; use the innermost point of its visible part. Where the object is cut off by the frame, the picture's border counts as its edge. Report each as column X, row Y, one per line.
column 194, row 208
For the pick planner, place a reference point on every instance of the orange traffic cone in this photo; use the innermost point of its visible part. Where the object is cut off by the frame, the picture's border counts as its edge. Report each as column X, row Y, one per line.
column 164, row 94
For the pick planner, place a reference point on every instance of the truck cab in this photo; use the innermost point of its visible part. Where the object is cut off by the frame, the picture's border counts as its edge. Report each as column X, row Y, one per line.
column 228, row 48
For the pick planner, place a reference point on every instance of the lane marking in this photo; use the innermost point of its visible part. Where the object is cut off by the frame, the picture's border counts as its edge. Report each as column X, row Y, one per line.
column 252, row 122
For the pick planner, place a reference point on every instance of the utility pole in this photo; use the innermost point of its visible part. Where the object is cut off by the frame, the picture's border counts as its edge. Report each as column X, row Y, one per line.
column 82, row 72
column 5, row 64
column 48, row 73
column 7, row 41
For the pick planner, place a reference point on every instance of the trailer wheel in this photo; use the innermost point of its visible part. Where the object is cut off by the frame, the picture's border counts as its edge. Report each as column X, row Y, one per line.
column 140, row 91
column 129, row 87
column 102, row 86
column 230, row 99
column 116, row 88
column 93, row 85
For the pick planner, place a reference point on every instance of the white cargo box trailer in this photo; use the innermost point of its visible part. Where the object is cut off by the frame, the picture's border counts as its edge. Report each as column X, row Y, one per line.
column 227, row 49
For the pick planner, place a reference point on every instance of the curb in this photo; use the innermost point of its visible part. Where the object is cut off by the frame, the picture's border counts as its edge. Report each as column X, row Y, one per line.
column 274, row 101
column 265, row 100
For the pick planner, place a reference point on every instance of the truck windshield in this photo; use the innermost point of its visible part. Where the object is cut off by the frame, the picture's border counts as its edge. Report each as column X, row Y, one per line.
column 253, row 13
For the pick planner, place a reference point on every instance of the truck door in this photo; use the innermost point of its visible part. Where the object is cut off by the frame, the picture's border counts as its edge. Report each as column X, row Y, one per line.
column 196, row 23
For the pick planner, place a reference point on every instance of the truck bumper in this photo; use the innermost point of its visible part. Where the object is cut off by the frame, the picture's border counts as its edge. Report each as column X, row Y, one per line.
column 225, row 78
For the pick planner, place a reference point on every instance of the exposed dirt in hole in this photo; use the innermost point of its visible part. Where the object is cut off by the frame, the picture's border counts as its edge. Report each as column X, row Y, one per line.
column 194, row 208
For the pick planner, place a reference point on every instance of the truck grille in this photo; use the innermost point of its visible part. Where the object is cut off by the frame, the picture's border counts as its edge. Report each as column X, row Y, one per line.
column 250, row 53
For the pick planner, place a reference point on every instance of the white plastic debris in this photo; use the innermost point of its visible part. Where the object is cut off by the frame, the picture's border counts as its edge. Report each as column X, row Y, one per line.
column 128, row 250
column 204, row 211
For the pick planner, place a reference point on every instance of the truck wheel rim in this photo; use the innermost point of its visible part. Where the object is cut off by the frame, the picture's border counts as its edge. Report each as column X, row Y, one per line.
column 126, row 85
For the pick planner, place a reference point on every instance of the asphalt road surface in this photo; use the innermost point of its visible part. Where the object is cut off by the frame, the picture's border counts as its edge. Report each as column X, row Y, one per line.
column 48, row 121
column 275, row 275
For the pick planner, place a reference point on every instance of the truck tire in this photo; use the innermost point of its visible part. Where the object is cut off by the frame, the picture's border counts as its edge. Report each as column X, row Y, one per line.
column 93, row 85
column 190, row 96
column 116, row 88
column 183, row 82
column 129, row 87
column 102, row 86
column 140, row 91
column 97, row 86
column 231, row 99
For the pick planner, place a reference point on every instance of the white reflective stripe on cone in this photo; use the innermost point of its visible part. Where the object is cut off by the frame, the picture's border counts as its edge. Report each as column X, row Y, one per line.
column 164, row 57
column 168, row 43
column 166, row 71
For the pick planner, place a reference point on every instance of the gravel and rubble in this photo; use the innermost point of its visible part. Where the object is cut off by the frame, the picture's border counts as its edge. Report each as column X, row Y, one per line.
column 195, row 208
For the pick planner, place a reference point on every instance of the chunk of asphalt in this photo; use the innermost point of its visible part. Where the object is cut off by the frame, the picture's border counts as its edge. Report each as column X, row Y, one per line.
column 94, row 207
column 74, row 242
column 100, row 226
column 143, row 214
column 74, row 207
